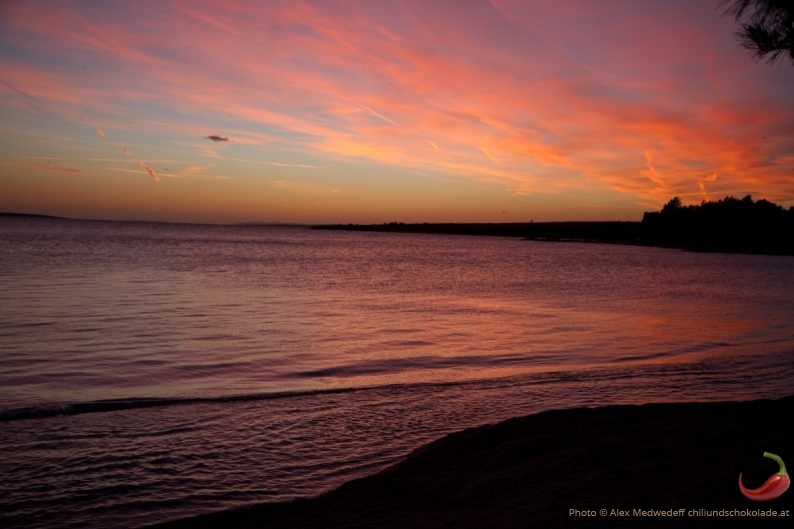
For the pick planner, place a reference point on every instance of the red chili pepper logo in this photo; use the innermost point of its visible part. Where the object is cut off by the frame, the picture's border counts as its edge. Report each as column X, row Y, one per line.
column 776, row 485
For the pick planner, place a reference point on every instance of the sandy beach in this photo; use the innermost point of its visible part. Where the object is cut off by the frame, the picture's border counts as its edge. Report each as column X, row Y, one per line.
column 662, row 465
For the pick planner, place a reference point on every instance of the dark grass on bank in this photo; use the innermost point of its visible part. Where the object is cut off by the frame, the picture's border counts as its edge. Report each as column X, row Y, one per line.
column 530, row 471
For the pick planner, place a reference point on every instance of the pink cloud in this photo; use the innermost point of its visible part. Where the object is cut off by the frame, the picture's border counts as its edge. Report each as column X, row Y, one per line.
column 47, row 167
column 64, row 169
column 545, row 96
column 149, row 170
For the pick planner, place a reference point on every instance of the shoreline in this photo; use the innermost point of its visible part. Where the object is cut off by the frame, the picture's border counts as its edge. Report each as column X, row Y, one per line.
column 530, row 471
column 632, row 233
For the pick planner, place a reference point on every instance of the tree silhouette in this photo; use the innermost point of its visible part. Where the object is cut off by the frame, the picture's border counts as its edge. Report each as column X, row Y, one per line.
column 766, row 27
column 730, row 224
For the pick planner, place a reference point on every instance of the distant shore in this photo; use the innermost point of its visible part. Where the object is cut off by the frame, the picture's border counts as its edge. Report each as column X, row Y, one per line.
column 547, row 469
column 620, row 232
column 603, row 232
column 729, row 225
column 29, row 215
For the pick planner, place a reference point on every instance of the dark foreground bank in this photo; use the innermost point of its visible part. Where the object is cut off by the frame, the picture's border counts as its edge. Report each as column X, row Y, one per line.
column 680, row 460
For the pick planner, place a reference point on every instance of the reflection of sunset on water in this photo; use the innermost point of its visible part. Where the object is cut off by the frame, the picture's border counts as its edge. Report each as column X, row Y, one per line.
column 296, row 359
column 295, row 309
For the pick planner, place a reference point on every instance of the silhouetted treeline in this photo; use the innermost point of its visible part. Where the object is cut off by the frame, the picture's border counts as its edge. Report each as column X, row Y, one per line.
column 611, row 231
column 31, row 215
column 727, row 225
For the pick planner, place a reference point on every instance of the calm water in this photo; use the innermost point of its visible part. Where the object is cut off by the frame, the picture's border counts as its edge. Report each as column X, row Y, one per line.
column 153, row 371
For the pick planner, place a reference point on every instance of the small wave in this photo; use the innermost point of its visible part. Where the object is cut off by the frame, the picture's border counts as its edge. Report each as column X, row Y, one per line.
column 25, row 325
column 76, row 408
column 696, row 348
column 43, row 411
column 564, row 377
column 411, row 343
column 35, row 412
column 98, row 406
column 398, row 365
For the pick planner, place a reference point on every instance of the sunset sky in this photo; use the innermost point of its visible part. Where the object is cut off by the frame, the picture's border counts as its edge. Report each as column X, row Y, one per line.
column 297, row 111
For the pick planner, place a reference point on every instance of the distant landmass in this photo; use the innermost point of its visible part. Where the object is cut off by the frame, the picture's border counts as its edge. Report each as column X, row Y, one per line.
column 33, row 215
column 728, row 225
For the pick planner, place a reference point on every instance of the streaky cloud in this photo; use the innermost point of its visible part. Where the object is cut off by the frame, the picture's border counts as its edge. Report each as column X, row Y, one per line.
column 531, row 98
column 380, row 116
column 32, row 101
column 149, row 170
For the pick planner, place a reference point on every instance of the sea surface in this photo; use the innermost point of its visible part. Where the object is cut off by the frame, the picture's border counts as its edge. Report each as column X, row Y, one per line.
column 153, row 371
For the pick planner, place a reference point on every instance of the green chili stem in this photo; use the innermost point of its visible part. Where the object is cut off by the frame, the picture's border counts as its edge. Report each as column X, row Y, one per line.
column 782, row 471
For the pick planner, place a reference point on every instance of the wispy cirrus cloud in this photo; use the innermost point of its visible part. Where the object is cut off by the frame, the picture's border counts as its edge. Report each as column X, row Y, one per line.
column 644, row 101
column 64, row 169
column 151, row 172
column 49, row 165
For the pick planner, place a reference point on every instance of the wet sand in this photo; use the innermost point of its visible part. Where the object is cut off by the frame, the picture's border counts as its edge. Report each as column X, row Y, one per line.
column 531, row 471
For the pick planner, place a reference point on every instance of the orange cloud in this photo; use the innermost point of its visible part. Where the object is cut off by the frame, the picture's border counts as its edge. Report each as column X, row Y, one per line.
column 46, row 167
column 483, row 93
column 149, row 170
column 64, row 169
